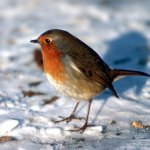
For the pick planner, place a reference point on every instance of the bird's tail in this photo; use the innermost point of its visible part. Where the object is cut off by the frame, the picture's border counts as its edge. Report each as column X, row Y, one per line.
column 118, row 73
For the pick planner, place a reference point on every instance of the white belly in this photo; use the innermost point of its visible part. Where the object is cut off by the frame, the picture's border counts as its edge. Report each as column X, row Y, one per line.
column 76, row 88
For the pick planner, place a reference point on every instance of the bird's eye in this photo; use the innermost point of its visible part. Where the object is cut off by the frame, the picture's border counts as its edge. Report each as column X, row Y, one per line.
column 47, row 41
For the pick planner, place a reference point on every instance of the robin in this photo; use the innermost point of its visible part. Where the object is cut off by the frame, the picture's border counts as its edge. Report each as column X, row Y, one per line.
column 76, row 70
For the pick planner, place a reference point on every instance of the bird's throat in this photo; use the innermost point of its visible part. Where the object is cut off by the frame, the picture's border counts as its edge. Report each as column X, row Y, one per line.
column 52, row 63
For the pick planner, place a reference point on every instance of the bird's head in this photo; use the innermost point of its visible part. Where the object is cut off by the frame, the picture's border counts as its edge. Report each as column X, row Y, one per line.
column 54, row 38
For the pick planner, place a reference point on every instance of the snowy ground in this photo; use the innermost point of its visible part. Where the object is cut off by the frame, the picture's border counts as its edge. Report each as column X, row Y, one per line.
column 118, row 30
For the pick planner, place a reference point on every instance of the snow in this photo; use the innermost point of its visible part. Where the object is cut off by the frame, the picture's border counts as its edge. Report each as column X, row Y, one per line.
column 119, row 31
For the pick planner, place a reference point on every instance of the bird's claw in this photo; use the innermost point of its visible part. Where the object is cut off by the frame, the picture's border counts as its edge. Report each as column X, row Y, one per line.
column 68, row 119
column 82, row 129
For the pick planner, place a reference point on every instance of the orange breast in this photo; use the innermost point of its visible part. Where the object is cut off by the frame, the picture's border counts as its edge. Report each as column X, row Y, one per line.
column 52, row 62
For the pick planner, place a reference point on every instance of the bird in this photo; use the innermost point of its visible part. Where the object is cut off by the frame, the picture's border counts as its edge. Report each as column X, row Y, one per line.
column 75, row 70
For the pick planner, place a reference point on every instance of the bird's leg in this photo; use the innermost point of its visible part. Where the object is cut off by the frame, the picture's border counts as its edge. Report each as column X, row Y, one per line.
column 72, row 116
column 82, row 129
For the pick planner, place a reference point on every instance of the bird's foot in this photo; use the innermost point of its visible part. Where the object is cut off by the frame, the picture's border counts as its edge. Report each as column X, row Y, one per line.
column 82, row 129
column 68, row 119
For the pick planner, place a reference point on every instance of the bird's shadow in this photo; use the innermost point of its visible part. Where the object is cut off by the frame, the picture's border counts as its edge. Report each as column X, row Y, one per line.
column 128, row 51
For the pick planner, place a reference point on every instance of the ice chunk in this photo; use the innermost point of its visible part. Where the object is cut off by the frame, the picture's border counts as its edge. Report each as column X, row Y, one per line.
column 7, row 126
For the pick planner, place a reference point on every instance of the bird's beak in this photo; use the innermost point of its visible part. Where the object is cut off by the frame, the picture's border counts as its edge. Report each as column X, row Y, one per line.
column 34, row 41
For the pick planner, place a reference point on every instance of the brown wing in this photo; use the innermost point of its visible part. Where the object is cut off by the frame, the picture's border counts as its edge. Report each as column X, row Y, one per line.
column 91, row 65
